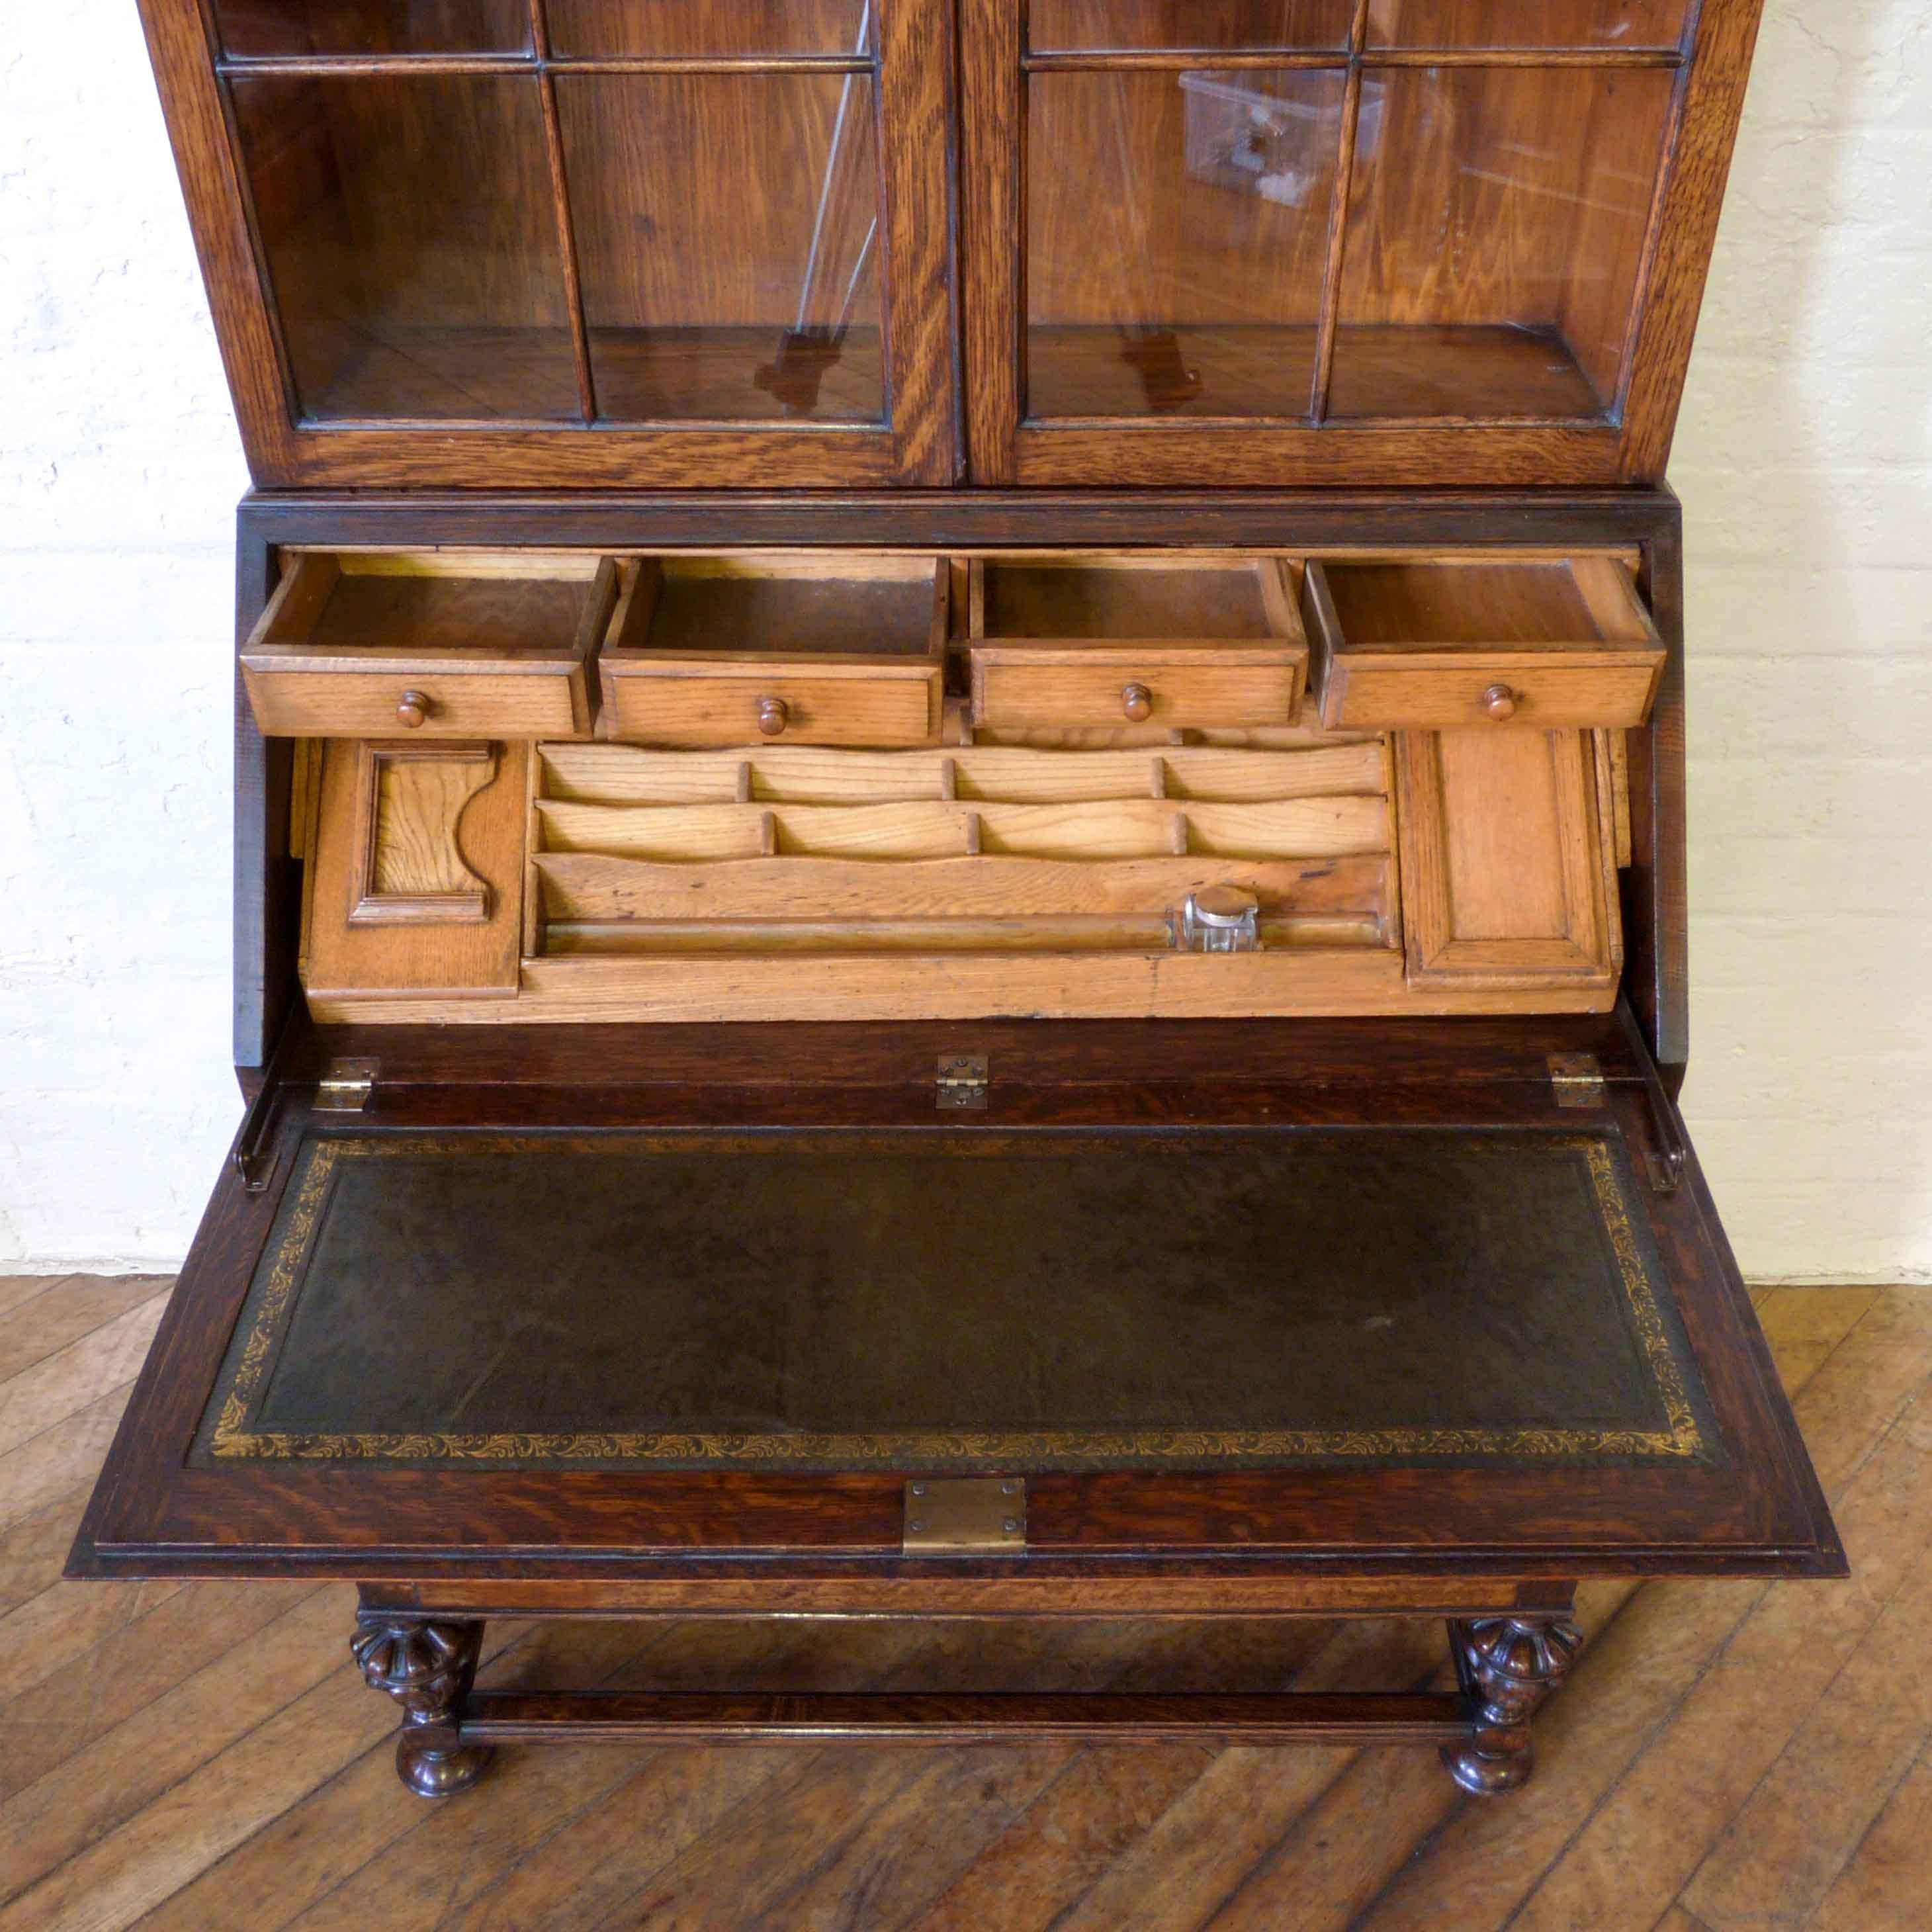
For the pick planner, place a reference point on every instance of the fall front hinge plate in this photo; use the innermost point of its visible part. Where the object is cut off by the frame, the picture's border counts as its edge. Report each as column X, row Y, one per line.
column 964, row 1516
column 962, row 1083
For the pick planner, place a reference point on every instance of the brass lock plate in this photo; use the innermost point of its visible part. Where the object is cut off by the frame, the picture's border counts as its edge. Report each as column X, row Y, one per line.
column 957, row 1515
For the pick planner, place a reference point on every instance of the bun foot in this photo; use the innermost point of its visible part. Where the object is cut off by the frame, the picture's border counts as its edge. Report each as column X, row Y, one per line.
column 430, row 1773
column 426, row 1666
column 1508, row 1667
column 1489, row 1773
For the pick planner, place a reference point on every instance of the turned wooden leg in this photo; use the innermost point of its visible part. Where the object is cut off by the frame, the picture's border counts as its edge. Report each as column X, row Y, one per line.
column 1508, row 1666
column 426, row 1667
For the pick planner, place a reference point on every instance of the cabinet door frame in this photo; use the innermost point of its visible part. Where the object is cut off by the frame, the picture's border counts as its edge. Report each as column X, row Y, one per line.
column 919, row 444
column 1633, row 446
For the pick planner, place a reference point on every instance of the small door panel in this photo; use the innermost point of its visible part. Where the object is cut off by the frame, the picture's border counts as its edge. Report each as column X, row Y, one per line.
column 648, row 246
column 1379, row 246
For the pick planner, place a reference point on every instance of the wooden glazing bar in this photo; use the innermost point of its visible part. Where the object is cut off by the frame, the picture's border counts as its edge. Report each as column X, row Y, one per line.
column 1360, row 1717
column 271, row 310
column 722, row 426
column 992, row 202
column 852, row 63
column 348, row 65
column 1329, row 323
column 1162, row 60
column 1523, row 57
column 1170, row 59
column 1084, row 427
column 1653, row 238
column 566, row 227
column 344, row 66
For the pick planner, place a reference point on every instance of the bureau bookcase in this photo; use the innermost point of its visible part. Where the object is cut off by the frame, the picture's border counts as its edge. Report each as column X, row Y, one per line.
column 959, row 844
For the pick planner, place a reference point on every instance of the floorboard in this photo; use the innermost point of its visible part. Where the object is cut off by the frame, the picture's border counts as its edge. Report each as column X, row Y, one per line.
column 193, row 1757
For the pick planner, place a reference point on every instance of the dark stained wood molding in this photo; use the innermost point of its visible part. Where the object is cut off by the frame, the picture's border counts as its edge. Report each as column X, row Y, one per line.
column 1686, row 228
column 268, row 886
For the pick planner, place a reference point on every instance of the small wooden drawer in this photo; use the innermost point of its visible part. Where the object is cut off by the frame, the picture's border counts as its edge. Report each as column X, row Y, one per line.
column 1443, row 645
column 1116, row 641
column 436, row 646
column 797, row 650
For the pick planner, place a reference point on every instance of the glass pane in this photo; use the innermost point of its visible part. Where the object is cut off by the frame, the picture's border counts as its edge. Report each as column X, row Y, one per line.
column 411, row 237
column 727, row 234
column 1495, row 228
column 1084, row 26
column 1527, row 23
column 261, row 28
column 1176, row 231
column 714, row 28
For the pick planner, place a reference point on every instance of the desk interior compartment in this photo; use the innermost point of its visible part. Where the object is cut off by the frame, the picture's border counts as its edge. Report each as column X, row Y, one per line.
column 986, row 849
column 1092, row 642
column 431, row 644
column 848, row 650
column 1443, row 644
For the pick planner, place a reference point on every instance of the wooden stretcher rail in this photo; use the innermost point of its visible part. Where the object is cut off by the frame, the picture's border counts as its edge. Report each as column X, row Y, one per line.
column 1361, row 1717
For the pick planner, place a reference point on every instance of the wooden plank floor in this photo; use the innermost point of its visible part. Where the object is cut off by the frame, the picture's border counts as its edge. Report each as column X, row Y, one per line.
column 1728, row 1755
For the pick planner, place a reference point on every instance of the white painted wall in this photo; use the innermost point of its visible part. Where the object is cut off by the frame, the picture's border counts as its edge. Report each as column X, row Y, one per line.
column 1805, row 462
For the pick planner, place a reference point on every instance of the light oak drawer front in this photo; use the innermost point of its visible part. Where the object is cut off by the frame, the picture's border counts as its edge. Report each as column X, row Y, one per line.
column 779, row 648
column 657, row 704
column 485, row 644
column 1107, row 640
column 1040, row 689
column 1544, row 643
column 1446, row 693
column 429, row 704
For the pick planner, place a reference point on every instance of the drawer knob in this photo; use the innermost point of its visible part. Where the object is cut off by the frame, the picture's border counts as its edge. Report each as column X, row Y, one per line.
column 1499, row 703
column 1137, row 702
column 413, row 712
column 774, row 714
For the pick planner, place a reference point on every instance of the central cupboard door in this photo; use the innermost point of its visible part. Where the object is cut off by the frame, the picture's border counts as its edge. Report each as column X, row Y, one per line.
column 1285, row 242
column 638, row 242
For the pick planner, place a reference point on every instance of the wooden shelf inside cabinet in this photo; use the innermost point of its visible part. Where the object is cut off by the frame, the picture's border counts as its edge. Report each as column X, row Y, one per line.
column 1093, row 642
column 1447, row 644
column 792, row 851
column 430, row 644
column 845, row 649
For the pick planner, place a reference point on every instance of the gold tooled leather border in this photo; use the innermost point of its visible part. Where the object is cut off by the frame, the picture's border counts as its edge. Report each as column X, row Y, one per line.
column 1681, row 1439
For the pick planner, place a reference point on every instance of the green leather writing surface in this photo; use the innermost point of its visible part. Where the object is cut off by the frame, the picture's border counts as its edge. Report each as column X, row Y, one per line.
column 1036, row 1299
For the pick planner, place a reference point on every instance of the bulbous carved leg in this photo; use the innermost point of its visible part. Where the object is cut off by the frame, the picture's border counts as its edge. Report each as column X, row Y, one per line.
column 427, row 1668
column 1509, row 1666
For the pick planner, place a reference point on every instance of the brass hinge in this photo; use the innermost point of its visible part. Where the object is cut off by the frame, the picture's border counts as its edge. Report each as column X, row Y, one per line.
column 345, row 1086
column 962, row 1515
column 962, row 1082
column 1577, row 1079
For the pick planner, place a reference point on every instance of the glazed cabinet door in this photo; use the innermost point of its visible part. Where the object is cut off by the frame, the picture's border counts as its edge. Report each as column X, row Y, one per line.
column 545, row 242
column 1383, row 242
